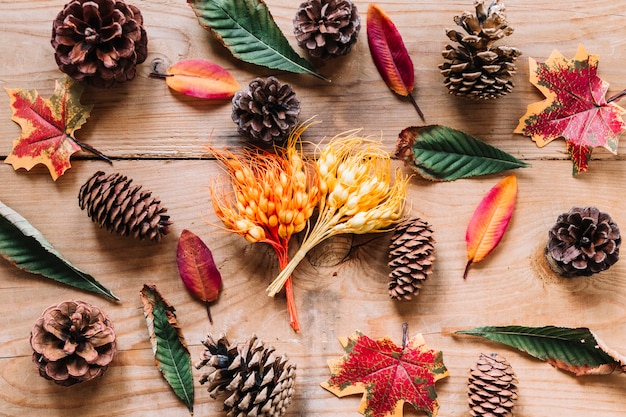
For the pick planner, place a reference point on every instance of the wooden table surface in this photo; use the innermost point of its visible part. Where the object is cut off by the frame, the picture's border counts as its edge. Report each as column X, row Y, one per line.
column 156, row 137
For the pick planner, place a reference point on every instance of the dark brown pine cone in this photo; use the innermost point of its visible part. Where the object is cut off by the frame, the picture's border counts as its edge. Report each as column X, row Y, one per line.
column 99, row 42
column 260, row 383
column 118, row 206
column 583, row 241
column 474, row 67
column 491, row 387
column 266, row 112
column 327, row 28
column 73, row 342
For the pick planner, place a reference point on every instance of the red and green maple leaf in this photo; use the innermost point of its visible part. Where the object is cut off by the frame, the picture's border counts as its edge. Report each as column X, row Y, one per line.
column 388, row 375
column 575, row 107
column 48, row 127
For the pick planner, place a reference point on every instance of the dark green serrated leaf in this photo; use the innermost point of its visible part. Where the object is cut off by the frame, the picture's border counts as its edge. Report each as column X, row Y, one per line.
column 247, row 29
column 573, row 349
column 440, row 153
column 171, row 354
column 26, row 248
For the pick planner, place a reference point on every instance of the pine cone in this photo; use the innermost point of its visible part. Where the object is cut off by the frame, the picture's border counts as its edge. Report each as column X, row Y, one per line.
column 411, row 255
column 117, row 206
column 260, row 383
column 476, row 68
column 73, row 342
column 492, row 387
column 583, row 241
column 266, row 112
column 99, row 42
column 327, row 28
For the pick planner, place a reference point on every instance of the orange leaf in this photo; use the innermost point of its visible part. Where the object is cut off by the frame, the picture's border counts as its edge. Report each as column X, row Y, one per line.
column 197, row 268
column 48, row 127
column 202, row 79
column 390, row 56
column 490, row 220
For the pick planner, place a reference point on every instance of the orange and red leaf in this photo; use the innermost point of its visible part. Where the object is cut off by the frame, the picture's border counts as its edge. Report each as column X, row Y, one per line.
column 202, row 79
column 388, row 375
column 575, row 107
column 48, row 126
column 490, row 220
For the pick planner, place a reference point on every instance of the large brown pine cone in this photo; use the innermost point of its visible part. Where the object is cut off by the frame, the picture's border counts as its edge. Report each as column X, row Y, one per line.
column 327, row 28
column 266, row 112
column 99, row 42
column 583, row 241
column 491, row 387
column 73, row 342
column 118, row 206
column 260, row 382
column 475, row 68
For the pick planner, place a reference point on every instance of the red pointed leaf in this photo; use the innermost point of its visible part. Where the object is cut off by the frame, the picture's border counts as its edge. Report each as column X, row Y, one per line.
column 48, row 126
column 388, row 375
column 197, row 268
column 200, row 78
column 490, row 220
column 575, row 107
column 389, row 54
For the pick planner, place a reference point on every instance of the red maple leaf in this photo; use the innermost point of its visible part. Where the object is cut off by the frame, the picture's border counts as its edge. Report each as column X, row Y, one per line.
column 575, row 107
column 48, row 127
column 387, row 375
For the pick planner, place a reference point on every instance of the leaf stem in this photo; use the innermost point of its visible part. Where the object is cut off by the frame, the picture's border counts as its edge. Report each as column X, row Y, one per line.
column 208, row 311
column 92, row 150
column 414, row 103
column 617, row 96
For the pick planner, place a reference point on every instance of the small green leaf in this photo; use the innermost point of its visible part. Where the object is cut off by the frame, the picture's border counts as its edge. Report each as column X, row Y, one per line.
column 25, row 247
column 440, row 153
column 247, row 29
column 171, row 354
column 575, row 350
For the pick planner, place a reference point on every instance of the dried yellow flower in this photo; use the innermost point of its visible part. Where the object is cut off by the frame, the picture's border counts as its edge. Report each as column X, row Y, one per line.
column 357, row 195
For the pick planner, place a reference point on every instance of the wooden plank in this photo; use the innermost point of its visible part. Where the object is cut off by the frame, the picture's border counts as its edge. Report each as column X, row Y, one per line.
column 157, row 138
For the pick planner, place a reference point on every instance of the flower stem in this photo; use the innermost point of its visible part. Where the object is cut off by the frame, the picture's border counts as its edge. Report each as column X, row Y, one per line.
column 283, row 261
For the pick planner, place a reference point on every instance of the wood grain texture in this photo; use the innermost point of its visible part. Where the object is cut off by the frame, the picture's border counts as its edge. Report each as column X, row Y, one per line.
column 156, row 137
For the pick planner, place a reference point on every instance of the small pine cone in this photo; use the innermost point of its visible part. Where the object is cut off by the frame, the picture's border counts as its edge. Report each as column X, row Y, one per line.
column 266, row 112
column 260, row 383
column 327, row 28
column 411, row 257
column 492, row 387
column 476, row 68
column 73, row 342
column 117, row 206
column 583, row 241
column 99, row 42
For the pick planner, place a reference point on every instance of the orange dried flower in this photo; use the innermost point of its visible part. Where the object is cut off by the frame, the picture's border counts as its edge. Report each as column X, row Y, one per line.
column 271, row 197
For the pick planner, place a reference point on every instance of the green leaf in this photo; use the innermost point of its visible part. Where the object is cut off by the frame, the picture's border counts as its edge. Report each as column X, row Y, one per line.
column 171, row 354
column 247, row 29
column 575, row 350
column 25, row 247
column 440, row 153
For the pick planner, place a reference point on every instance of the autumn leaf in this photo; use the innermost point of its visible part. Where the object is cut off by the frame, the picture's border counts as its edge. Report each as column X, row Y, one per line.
column 171, row 354
column 48, row 127
column 197, row 268
column 575, row 107
column 388, row 375
column 440, row 153
column 390, row 55
column 200, row 78
column 576, row 350
column 490, row 220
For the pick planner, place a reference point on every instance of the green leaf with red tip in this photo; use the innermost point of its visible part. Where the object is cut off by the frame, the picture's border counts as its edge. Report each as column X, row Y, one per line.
column 575, row 350
column 48, row 127
column 389, row 54
column 490, row 220
column 197, row 268
column 575, row 107
column 388, row 375
column 202, row 79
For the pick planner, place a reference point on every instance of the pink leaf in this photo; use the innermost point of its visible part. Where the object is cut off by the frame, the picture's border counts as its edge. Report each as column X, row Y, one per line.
column 203, row 79
column 197, row 268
